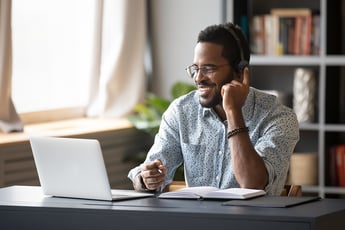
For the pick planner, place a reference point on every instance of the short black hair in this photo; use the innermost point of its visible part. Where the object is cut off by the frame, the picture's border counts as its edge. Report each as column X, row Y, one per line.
column 232, row 38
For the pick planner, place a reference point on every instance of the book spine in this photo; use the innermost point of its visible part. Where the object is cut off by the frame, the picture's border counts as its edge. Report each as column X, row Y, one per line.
column 298, row 34
column 332, row 164
column 258, row 35
column 340, row 164
column 268, row 34
column 316, row 35
column 284, row 41
column 307, row 34
column 276, row 49
column 291, row 34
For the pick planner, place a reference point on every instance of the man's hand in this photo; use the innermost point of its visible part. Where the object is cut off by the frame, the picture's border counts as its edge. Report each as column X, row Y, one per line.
column 153, row 174
column 235, row 93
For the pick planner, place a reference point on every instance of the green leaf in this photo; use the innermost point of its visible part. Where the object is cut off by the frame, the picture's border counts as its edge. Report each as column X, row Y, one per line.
column 181, row 88
column 150, row 127
column 148, row 115
column 145, row 113
column 160, row 104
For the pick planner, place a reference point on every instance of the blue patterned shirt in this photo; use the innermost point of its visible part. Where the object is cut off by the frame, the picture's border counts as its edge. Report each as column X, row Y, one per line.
column 192, row 135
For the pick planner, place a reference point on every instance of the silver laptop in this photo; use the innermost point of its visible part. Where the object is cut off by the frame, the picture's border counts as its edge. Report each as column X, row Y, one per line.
column 74, row 168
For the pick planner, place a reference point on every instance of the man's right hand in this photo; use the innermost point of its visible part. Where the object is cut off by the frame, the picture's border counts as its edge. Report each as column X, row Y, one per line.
column 151, row 177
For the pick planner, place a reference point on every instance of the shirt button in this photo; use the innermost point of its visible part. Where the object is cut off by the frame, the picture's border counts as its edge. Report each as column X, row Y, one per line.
column 220, row 152
column 217, row 177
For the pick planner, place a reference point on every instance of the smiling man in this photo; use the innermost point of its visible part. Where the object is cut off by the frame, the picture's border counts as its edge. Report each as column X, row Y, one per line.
column 226, row 133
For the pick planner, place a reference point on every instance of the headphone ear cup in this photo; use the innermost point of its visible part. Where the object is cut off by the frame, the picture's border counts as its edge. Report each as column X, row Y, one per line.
column 243, row 64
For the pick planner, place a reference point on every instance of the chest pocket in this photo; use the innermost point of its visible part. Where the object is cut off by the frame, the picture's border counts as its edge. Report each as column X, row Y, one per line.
column 194, row 159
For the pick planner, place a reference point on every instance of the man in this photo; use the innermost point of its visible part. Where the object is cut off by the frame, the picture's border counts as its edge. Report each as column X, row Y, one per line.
column 226, row 133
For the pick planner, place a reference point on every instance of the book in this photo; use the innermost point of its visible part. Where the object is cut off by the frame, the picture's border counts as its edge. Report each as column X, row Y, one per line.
column 286, row 30
column 208, row 192
column 298, row 34
column 296, row 24
column 306, row 35
column 332, row 173
column 316, row 35
column 269, row 34
column 340, row 161
column 257, row 35
column 336, row 165
column 291, row 12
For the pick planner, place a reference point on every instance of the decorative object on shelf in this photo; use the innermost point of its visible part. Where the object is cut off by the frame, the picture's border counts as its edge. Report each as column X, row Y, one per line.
column 304, row 88
column 303, row 168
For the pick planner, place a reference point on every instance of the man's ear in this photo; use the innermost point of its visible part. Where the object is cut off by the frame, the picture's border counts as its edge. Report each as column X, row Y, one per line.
column 241, row 66
column 238, row 76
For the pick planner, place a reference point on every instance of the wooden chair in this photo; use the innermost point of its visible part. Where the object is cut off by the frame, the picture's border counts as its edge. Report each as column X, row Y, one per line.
column 175, row 185
column 288, row 190
column 291, row 190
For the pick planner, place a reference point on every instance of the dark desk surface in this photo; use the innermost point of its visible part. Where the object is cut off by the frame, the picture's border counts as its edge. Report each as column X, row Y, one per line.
column 23, row 206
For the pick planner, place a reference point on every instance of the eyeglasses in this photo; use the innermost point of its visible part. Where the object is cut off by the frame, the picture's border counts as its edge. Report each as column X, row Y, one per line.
column 206, row 70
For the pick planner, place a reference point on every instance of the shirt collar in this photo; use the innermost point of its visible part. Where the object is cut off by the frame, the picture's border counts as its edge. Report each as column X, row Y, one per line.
column 206, row 111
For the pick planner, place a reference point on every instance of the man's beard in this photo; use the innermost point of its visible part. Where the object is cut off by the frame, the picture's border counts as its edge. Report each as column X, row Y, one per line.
column 216, row 100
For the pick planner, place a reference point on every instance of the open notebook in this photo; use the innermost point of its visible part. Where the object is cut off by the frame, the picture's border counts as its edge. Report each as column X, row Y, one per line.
column 207, row 192
column 72, row 167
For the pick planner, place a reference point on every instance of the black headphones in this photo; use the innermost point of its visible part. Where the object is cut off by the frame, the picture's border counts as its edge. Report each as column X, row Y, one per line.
column 243, row 63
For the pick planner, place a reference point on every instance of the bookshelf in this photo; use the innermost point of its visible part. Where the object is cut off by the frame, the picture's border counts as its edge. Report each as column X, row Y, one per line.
column 276, row 72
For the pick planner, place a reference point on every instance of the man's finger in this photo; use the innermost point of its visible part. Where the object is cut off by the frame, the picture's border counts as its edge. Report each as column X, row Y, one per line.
column 152, row 164
column 246, row 76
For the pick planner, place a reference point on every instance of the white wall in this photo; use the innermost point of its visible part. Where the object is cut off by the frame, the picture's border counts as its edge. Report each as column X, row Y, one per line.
column 175, row 25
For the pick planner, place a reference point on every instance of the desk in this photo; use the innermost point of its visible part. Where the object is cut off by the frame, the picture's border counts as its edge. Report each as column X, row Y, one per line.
column 25, row 207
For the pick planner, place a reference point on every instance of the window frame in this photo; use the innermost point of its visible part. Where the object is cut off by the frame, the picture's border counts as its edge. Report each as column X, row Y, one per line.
column 51, row 115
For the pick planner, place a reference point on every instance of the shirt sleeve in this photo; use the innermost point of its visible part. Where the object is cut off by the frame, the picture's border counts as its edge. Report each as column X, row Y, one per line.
column 280, row 133
column 166, row 146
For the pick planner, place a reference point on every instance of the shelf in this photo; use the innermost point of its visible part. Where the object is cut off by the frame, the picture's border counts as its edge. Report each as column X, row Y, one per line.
column 334, row 60
column 274, row 72
column 264, row 60
column 335, row 128
column 309, row 126
column 310, row 189
column 335, row 190
column 328, row 190
column 327, row 127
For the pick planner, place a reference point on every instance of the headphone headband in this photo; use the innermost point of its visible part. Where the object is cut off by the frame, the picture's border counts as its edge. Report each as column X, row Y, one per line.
column 243, row 63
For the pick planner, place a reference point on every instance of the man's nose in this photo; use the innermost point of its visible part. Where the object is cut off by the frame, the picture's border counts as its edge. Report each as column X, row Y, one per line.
column 199, row 76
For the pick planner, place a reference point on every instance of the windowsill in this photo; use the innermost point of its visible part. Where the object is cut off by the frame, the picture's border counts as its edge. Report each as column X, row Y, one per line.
column 69, row 127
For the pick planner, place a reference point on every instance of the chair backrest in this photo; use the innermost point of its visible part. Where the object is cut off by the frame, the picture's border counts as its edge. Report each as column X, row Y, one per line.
column 175, row 185
column 288, row 190
column 291, row 190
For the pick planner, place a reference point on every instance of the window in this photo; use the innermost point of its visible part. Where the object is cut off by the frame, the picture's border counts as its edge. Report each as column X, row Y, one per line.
column 52, row 53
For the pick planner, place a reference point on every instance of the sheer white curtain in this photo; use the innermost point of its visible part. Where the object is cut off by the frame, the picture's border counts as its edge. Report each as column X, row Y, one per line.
column 9, row 119
column 118, row 80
